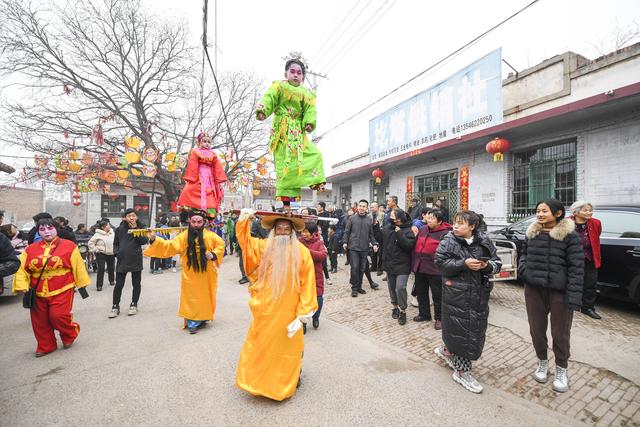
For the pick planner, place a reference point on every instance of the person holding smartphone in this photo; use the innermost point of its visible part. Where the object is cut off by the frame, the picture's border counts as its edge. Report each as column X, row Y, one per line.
column 467, row 258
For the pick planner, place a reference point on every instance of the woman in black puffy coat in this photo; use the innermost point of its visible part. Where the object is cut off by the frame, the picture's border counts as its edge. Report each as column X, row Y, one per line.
column 466, row 257
column 551, row 266
column 398, row 242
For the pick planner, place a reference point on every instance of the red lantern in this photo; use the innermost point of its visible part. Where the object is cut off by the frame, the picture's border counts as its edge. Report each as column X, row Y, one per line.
column 76, row 198
column 498, row 146
column 378, row 174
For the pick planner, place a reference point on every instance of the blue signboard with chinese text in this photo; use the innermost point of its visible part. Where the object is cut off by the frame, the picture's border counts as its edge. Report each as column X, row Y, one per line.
column 468, row 101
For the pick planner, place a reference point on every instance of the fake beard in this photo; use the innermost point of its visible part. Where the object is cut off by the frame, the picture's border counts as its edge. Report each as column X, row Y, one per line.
column 280, row 260
column 196, row 258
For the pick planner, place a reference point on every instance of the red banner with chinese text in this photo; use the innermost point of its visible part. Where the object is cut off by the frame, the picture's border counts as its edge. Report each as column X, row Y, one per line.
column 464, row 188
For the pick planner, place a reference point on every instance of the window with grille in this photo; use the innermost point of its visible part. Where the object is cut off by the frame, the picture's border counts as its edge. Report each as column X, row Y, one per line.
column 112, row 206
column 441, row 181
column 379, row 192
column 543, row 173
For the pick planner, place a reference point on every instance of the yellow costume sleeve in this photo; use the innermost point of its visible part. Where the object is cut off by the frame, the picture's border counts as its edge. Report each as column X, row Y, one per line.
column 161, row 248
column 308, row 299
column 21, row 279
column 252, row 248
column 270, row 99
column 216, row 245
column 79, row 270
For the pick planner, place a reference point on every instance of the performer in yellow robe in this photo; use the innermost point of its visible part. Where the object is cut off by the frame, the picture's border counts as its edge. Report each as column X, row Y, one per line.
column 196, row 246
column 283, row 293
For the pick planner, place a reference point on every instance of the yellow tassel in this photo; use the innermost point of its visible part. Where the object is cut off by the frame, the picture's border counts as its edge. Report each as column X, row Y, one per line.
column 299, row 170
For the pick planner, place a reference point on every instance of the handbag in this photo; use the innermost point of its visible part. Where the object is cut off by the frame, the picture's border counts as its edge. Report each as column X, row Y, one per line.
column 29, row 297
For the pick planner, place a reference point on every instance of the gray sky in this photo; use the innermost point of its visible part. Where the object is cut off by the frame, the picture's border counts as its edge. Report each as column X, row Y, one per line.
column 409, row 36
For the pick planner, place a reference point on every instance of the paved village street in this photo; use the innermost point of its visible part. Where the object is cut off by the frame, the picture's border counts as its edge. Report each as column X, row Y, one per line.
column 360, row 367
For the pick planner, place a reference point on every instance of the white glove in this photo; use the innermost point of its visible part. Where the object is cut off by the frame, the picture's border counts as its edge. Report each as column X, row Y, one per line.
column 246, row 213
column 293, row 327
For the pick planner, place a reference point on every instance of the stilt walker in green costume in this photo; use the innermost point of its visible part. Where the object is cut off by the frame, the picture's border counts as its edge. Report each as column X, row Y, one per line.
column 298, row 160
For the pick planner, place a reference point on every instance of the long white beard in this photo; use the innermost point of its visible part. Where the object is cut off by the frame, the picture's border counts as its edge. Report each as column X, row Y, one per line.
column 280, row 260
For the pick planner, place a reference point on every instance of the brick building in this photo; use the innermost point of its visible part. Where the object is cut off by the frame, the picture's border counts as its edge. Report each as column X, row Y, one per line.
column 20, row 204
column 574, row 127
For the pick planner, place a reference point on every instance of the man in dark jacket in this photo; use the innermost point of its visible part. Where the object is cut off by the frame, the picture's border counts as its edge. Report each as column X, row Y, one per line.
column 128, row 251
column 415, row 210
column 358, row 235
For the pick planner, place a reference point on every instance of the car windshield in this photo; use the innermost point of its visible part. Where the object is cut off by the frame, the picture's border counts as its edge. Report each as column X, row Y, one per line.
column 619, row 223
column 520, row 227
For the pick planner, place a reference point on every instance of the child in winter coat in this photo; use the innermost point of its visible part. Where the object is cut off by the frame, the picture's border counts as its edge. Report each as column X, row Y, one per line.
column 466, row 257
column 311, row 239
column 552, row 267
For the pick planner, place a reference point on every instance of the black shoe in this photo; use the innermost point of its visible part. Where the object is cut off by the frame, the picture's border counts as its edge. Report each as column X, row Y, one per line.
column 402, row 318
column 243, row 281
column 419, row 318
column 354, row 294
column 362, row 291
column 591, row 313
column 374, row 286
column 316, row 323
column 395, row 313
column 99, row 288
column 304, row 328
column 334, row 271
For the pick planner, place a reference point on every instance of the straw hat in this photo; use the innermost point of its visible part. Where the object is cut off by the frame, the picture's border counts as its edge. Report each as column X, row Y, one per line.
column 268, row 222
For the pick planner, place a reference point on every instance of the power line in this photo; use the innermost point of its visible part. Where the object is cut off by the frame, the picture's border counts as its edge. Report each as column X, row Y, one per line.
column 345, row 30
column 215, row 78
column 334, row 30
column 346, row 48
column 455, row 52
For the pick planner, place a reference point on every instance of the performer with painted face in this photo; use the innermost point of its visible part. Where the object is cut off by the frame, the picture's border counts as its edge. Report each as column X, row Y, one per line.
column 203, row 179
column 283, row 293
column 298, row 161
column 54, row 267
column 201, row 253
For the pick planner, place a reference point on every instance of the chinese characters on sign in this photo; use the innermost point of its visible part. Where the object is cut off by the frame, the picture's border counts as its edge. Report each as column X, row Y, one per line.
column 468, row 101
column 464, row 188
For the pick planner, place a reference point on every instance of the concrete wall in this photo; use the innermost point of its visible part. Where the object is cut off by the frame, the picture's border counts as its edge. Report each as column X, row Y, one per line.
column 612, row 164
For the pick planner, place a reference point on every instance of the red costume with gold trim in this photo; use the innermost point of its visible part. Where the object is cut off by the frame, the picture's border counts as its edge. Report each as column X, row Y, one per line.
column 54, row 294
column 203, row 182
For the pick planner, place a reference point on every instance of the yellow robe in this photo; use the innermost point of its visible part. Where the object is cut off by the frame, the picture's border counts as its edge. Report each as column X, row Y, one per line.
column 270, row 361
column 198, row 289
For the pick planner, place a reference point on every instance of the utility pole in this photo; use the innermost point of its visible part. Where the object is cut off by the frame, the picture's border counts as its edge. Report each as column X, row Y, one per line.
column 314, row 87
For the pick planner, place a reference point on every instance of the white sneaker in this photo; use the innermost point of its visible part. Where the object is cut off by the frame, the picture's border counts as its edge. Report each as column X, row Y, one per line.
column 466, row 380
column 133, row 310
column 174, row 269
column 540, row 374
column 115, row 311
column 414, row 302
column 561, row 382
column 328, row 282
column 442, row 354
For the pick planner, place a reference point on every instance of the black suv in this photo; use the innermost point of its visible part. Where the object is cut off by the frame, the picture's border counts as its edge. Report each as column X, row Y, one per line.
column 619, row 274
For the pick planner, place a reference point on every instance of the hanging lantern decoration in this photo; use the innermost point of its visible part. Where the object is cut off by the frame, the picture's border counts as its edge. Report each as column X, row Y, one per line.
column 498, row 146
column 123, row 174
column 76, row 198
column 132, row 142
column 136, row 172
column 74, row 155
column 41, row 160
column 132, row 156
column 150, row 154
column 378, row 174
column 247, row 166
column 60, row 177
column 181, row 161
column 171, row 167
column 256, row 192
column 74, row 167
column 170, row 156
column 87, row 158
column 262, row 160
column 149, row 171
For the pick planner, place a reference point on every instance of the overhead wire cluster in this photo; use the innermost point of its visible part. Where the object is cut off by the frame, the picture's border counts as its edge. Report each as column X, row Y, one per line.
column 355, row 24
column 429, row 68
